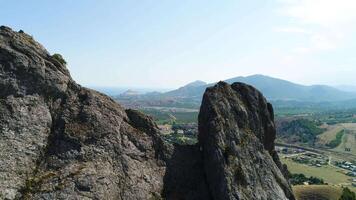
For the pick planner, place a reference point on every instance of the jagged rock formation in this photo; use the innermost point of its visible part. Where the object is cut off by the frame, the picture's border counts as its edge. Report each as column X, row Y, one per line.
column 236, row 133
column 59, row 140
column 62, row 141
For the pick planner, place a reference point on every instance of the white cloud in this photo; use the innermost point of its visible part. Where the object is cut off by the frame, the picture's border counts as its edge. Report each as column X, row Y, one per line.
column 325, row 13
column 322, row 42
column 326, row 22
column 292, row 30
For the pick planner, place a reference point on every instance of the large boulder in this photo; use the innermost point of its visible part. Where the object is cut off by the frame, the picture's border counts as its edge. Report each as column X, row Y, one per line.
column 236, row 134
column 62, row 141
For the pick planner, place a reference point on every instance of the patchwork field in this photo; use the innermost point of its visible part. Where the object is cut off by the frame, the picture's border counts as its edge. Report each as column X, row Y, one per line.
column 330, row 174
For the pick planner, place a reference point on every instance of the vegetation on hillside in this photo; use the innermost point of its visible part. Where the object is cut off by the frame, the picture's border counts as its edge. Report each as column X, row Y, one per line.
column 59, row 58
column 181, row 139
column 347, row 194
column 307, row 192
column 333, row 116
column 299, row 130
column 338, row 139
column 300, row 179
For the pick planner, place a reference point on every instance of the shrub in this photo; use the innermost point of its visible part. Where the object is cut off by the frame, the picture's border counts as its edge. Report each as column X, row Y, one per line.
column 316, row 181
column 347, row 194
column 58, row 57
column 299, row 179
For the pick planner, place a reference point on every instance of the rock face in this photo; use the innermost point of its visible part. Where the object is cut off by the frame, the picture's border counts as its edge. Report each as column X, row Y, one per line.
column 237, row 133
column 59, row 140
column 62, row 141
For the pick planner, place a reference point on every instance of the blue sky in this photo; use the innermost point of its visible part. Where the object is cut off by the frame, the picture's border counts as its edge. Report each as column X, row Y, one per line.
column 166, row 44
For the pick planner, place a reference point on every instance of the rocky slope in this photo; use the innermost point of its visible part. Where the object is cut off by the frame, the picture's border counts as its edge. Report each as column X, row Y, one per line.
column 59, row 140
column 62, row 141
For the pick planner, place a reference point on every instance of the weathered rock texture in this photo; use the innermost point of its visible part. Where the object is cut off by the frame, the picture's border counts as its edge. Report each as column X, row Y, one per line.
column 62, row 141
column 236, row 133
column 59, row 140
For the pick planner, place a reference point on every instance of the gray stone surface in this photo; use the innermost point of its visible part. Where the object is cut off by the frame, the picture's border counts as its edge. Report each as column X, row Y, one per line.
column 59, row 140
column 62, row 141
column 236, row 132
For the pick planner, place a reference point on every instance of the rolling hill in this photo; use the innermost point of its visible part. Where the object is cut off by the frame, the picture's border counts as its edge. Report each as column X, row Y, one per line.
column 280, row 93
column 273, row 89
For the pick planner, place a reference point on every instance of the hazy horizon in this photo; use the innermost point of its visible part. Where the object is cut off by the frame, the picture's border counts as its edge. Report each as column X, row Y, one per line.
column 161, row 44
column 115, row 90
column 208, row 82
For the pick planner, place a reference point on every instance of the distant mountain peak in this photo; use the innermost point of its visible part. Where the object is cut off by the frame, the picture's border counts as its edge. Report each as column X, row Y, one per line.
column 272, row 88
column 196, row 83
column 346, row 88
column 130, row 92
column 258, row 76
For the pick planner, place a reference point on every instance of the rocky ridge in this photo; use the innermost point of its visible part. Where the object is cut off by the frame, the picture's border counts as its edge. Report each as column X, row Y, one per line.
column 59, row 140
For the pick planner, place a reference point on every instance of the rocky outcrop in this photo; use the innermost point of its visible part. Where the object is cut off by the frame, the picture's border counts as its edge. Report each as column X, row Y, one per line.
column 236, row 134
column 62, row 141
column 59, row 140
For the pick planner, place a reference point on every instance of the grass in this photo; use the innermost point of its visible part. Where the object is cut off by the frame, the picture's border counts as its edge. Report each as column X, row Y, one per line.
column 329, row 174
column 306, row 192
column 348, row 141
column 330, row 134
column 338, row 139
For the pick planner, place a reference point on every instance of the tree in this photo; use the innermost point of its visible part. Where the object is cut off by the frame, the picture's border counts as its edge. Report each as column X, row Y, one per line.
column 299, row 179
column 347, row 194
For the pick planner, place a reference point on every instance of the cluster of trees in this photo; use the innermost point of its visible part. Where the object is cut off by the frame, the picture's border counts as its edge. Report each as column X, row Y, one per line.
column 300, row 130
column 300, row 179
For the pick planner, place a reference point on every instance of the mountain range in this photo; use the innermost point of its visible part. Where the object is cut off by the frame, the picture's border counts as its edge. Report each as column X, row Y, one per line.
column 278, row 91
column 273, row 89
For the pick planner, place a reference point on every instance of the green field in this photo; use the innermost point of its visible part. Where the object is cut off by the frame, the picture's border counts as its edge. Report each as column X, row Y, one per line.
column 330, row 133
column 307, row 192
column 330, row 174
column 348, row 139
